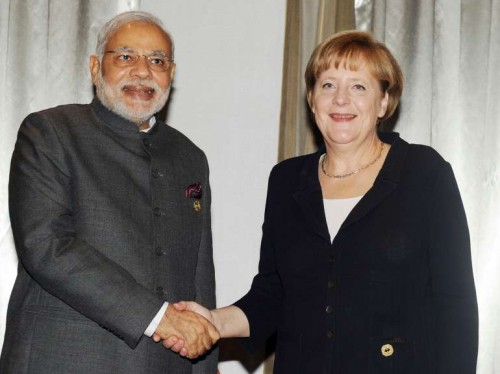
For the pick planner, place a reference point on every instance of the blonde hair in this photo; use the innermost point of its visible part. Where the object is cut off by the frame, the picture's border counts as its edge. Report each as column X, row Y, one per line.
column 354, row 49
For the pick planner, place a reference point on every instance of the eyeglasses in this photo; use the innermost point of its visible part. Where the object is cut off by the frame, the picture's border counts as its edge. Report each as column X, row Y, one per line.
column 156, row 62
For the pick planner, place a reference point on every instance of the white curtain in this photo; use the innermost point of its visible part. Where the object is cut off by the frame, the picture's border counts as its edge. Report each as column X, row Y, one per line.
column 45, row 48
column 450, row 53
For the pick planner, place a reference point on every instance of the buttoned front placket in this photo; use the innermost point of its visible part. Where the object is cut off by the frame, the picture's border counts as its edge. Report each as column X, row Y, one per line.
column 330, row 307
column 156, row 181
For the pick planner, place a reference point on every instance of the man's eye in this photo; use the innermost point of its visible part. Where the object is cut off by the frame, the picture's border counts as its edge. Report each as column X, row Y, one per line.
column 124, row 57
column 157, row 61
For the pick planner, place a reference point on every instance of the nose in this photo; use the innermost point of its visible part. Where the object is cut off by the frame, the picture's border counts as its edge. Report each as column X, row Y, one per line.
column 341, row 96
column 141, row 68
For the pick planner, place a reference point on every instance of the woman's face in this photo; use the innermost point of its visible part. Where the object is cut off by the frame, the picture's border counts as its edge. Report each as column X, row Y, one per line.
column 346, row 105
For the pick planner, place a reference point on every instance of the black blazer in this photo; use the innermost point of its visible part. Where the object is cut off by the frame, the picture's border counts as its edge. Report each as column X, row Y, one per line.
column 393, row 293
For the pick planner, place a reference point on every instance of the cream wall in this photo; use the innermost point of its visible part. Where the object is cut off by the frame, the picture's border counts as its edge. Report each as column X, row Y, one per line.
column 226, row 98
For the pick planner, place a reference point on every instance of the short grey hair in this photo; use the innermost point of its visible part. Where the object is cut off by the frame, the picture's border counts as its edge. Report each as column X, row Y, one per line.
column 123, row 18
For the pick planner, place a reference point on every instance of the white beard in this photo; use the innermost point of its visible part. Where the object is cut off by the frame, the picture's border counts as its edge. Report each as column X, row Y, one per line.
column 109, row 97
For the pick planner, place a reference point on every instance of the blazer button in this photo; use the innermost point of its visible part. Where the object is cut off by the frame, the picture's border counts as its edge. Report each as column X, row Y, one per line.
column 331, row 284
column 387, row 350
column 329, row 334
column 146, row 142
column 160, row 251
column 329, row 309
column 160, row 291
column 157, row 212
column 331, row 259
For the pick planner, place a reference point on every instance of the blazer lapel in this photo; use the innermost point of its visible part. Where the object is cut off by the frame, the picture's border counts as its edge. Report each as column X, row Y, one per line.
column 310, row 199
column 309, row 196
column 386, row 181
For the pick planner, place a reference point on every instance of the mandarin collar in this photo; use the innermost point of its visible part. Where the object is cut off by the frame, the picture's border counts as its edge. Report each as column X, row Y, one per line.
column 115, row 121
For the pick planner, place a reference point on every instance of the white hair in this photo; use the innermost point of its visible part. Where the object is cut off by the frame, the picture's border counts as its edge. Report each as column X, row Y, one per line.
column 123, row 18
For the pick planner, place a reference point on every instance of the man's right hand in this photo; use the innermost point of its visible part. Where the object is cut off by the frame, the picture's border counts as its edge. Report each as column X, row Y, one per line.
column 193, row 332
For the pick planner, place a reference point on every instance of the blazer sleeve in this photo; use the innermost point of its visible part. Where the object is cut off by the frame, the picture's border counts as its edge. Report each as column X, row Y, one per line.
column 263, row 304
column 452, row 283
column 68, row 268
column 205, row 276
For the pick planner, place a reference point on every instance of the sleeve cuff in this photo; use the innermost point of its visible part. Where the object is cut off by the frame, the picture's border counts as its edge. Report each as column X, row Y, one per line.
column 156, row 321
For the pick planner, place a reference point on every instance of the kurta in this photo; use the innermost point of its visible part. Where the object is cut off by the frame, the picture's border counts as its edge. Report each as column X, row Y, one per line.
column 393, row 293
column 105, row 233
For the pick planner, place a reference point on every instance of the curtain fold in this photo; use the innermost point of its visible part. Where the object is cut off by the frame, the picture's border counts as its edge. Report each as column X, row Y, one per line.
column 46, row 46
column 450, row 52
column 308, row 22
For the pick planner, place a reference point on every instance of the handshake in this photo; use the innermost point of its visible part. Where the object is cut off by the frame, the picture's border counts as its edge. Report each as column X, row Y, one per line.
column 188, row 329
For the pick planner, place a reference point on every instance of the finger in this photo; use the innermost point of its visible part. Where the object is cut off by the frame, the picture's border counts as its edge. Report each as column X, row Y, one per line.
column 170, row 341
column 183, row 352
column 178, row 346
column 156, row 337
column 181, row 305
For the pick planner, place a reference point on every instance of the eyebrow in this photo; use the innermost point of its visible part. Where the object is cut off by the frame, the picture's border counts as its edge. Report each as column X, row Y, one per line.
column 158, row 53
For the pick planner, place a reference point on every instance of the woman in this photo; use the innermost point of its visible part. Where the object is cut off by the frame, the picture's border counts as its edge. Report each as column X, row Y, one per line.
column 365, row 261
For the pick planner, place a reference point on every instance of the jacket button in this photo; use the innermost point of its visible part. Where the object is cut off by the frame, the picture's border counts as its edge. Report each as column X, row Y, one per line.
column 156, row 173
column 331, row 259
column 329, row 309
column 160, row 291
column 387, row 350
column 331, row 284
column 146, row 142
column 157, row 212
column 160, row 251
column 329, row 334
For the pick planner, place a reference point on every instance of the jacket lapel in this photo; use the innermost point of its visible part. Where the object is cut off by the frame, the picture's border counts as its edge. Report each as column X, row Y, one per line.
column 386, row 181
column 310, row 199
column 309, row 196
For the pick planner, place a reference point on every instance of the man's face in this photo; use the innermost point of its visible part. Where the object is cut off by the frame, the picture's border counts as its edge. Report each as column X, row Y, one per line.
column 134, row 92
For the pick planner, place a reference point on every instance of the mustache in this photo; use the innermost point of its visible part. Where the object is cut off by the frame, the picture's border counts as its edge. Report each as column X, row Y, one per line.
column 141, row 82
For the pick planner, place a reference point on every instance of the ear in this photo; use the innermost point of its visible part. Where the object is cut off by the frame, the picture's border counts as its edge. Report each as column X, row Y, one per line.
column 383, row 105
column 172, row 72
column 95, row 67
column 311, row 102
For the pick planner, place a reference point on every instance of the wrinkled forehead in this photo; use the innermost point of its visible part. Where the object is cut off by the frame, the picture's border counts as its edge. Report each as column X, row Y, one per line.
column 140, row 36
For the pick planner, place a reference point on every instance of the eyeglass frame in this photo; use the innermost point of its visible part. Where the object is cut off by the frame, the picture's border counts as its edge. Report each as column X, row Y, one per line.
column 131, row 52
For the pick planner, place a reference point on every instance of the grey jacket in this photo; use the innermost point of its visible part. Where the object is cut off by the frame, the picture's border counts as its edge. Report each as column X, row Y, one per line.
column 105, row 232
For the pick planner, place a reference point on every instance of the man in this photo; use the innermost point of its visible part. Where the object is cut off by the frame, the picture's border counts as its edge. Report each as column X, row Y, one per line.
column 110, row 210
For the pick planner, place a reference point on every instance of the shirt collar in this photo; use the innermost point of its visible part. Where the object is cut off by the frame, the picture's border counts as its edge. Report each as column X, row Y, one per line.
column 152, row 122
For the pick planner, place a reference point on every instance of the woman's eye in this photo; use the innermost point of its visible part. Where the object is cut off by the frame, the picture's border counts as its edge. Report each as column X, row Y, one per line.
column 359, row 87
column 328, row 85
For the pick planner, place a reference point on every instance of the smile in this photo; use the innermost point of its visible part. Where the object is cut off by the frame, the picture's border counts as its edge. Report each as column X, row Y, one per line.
column 141, row 92
column 144, row 89
column 342, row 116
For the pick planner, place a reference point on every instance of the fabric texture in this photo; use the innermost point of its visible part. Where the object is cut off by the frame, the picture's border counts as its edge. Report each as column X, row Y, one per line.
column 105, row 233
column 398, row 272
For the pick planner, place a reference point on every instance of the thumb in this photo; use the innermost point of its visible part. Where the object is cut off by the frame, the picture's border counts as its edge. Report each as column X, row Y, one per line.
column 181, row 305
